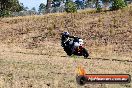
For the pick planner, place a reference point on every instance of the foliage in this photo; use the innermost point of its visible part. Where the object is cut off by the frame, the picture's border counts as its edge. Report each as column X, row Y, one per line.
column 117, row 4
column 126, row 2
column 33, row 9
column 42, row 8
column 106, row 3
column 23, row 8
column 48, row 5
column 4, row 13
column 80, row 4
column 70, row 7
column 8, row 6
column 90, row 3
column 99, row 8
column 56, row 3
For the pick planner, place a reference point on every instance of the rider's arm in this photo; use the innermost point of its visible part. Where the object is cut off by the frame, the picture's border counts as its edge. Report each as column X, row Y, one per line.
column 66, row 40
column 73, row 36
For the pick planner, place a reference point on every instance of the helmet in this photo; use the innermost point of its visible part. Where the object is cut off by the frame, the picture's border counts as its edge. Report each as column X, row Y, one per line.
column 66, row 34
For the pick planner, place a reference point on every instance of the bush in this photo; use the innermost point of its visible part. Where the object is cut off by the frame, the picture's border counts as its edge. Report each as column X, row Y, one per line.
column 117, row 4
column 70, row 7
column 4, row 13
column 99, row 8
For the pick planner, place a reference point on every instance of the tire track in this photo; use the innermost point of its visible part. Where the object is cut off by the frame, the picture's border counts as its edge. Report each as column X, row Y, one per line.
column 104, row 59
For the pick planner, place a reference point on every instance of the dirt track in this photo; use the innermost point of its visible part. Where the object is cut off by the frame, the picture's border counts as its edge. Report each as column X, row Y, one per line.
column 30, row 68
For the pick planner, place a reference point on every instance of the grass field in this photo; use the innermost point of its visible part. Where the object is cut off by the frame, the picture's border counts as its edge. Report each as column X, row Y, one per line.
column 31, row 55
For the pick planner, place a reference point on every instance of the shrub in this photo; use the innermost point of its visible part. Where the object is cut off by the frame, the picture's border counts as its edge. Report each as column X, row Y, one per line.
column 99, row 8
column 117, row 4
column 4, row 13
column 70, row 7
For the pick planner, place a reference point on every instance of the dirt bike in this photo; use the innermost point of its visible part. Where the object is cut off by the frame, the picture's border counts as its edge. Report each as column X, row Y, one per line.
column 79, row 50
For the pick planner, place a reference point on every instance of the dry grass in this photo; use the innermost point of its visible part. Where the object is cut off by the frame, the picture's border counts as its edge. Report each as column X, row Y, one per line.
column 31, row 55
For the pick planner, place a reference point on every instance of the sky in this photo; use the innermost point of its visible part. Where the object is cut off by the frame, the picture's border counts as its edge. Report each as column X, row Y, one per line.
column 32, row 3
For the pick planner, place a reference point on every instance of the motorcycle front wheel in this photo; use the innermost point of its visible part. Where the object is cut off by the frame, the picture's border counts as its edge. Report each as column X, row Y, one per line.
column 85, row 53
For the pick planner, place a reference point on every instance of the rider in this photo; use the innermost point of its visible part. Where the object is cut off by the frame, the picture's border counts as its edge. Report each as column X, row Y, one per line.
column 65, row 39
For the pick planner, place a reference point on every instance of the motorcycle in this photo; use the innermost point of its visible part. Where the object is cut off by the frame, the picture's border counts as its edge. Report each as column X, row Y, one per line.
column 75, row 47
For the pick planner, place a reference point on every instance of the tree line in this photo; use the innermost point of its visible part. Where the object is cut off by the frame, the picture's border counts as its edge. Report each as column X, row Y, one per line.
column 7, row 7
column 70, row 6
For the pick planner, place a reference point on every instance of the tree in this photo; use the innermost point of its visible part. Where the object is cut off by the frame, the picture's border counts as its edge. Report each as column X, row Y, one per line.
column 8, row 6
column 26, row 8
column 93, row 2
column 15, row 6
column 12, row 5
column 56, row 3
column 48, row 5
column 89, row 3
column 42, row 8
column 80, row 4
column 23, row 8
column 70, row 7
column 96, row 3
column 106, row 3
column 118, row 4
column 33, row 9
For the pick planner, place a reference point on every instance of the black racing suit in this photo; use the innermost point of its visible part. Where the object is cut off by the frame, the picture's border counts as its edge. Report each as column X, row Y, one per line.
column 65, row 41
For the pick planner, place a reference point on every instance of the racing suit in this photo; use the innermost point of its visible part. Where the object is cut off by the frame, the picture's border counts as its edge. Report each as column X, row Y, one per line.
column 70, row 43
